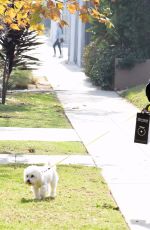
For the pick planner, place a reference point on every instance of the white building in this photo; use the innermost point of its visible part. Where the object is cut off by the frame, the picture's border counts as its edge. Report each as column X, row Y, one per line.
column 76, row 40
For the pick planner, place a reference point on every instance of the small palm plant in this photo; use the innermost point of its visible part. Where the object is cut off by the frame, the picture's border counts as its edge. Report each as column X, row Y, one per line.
column 14, row 53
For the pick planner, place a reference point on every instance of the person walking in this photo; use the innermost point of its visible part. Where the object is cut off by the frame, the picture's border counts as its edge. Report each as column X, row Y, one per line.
column 58, row 40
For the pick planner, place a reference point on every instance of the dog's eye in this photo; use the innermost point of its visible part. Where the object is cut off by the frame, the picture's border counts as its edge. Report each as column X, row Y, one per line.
column 27, row 175
column 32, row 176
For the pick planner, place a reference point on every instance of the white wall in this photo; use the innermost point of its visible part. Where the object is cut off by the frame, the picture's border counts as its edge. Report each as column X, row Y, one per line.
column 76, row 41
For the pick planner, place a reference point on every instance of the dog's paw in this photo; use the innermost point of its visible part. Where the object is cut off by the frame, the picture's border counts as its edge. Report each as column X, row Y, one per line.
column 53, row 195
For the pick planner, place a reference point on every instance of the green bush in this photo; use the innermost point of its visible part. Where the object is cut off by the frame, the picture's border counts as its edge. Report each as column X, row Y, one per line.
column 100, row 66
column 127, row 62
column 89, row 57
column 20, row 79
column 130, row 58
column 128, row 41
column 103, row 70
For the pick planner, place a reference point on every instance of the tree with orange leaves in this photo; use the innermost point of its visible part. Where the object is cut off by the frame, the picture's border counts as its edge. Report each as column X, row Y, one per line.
column 18, row 18
column 19, row 14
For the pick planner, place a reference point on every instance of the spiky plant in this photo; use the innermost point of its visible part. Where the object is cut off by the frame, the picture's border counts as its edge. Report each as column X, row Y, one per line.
column 14, row 53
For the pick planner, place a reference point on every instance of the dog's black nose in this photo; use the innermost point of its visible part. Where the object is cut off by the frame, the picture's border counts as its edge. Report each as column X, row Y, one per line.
column 28, row 181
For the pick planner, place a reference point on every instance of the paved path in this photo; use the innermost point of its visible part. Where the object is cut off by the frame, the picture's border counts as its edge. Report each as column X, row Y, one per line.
column 105, row 123
column 42, row 159
column 38, row 134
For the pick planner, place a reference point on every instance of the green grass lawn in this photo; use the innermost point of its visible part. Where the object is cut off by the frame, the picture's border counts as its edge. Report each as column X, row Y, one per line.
column 42, row 147
column 136, row 96
column 83, row 202
column 33, row 110
column 36, row 110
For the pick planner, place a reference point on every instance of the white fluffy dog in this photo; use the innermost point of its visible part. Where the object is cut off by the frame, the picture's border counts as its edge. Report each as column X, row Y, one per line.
column 42, row 179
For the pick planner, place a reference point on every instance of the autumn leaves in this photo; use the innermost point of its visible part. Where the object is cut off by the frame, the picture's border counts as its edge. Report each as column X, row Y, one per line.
column 21, row 14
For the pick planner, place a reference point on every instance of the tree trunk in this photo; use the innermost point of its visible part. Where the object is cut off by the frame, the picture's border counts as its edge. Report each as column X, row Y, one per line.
column 5, row 80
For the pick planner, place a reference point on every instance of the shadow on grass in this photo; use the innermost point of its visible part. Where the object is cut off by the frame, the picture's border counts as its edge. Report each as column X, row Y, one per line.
column 19, row 107
column 108, row 206
column 47, row 199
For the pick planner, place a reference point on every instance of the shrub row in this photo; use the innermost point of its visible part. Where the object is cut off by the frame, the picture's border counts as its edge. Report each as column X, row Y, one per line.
column 99, row 63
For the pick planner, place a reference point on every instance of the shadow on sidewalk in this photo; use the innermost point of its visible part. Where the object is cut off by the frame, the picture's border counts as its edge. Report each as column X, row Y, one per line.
column 142, row 223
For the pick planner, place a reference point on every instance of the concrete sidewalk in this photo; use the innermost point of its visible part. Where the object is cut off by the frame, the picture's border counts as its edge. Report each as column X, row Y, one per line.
column 105, row 123
column 38, row 134
column 85, row 160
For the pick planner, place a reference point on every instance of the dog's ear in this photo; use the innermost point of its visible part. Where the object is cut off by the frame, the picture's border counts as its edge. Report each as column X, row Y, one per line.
column 24, row 175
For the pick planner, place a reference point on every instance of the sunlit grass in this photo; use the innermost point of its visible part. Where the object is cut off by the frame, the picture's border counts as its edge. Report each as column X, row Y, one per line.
column 136, row 96
column 36, row 110
column 83, row 202
column 42, row 147
column 33, row 110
